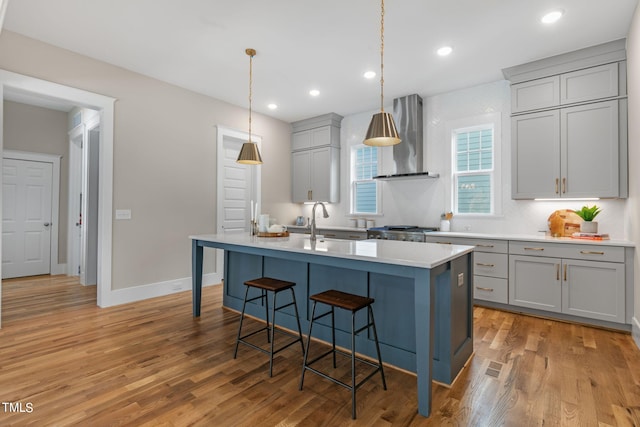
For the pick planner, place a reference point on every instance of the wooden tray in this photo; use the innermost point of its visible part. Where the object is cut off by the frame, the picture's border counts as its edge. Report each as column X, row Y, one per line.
column 267, row 234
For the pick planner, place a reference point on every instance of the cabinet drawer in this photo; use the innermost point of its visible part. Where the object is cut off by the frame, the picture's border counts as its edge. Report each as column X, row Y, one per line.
column 491, row 289
column 540, row 93
column 490, row 264
column 589, row 84
column 481, row 245
column 571, row 251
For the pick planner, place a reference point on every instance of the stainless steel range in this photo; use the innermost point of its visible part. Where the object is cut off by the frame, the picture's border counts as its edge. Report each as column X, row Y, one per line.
column 409, row 233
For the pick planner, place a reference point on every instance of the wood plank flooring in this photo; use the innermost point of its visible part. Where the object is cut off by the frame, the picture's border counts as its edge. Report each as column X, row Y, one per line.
column 64, row 361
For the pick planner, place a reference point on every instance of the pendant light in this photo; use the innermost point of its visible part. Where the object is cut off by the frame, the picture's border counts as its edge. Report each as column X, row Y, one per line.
column 382, row 129
column 249, row 153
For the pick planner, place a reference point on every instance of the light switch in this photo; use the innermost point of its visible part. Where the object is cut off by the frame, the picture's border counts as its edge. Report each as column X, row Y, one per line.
column 123, row 213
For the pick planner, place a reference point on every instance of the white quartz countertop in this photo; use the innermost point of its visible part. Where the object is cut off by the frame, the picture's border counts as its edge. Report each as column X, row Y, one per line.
column 534, row 238
column 413, row 254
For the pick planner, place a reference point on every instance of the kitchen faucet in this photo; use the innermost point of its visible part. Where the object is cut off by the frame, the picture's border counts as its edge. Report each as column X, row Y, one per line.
column 325, row 214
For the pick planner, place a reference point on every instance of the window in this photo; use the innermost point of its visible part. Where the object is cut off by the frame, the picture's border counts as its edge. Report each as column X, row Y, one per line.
column 364, row 189
column 474, row 170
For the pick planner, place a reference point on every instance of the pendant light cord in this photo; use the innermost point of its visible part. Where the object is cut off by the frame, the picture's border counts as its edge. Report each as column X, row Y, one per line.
column 250, row 92
column 382, row 57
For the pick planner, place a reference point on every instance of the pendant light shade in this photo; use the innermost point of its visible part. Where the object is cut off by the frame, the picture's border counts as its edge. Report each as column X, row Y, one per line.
column 382, row 130
column 249, row 153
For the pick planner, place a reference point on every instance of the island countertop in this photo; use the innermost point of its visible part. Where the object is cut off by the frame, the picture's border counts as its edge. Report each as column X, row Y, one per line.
column 413, row 254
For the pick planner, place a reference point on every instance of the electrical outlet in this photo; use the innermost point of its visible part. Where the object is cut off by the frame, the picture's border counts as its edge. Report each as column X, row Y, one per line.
column 460, row 279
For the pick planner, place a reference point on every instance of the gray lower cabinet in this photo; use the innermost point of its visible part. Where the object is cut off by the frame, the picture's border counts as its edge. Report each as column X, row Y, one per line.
column 581, row 287
column 587, row 281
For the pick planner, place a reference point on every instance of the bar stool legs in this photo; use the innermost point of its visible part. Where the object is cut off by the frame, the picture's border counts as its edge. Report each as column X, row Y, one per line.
column 353, row 303
column 266, row 284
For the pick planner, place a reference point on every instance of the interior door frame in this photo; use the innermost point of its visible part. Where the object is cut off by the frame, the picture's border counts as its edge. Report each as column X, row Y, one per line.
column 54, row 266
column 105, row 106
column 223, row 132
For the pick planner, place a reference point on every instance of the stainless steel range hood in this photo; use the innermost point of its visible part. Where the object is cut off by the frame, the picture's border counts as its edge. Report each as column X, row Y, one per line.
column 408, row 155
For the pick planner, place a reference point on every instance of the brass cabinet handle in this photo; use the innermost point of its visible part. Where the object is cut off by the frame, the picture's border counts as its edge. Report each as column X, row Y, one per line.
column 565, row 272
column 484, row 246
column 557, row 182
column 355, row 237
column 592, row 252
column 534, row 249
column 308, row 194
column 484, row 289
column 481, row 264
column 329, row 235
column 444, row 243
column 557, row 271
column 564, row 185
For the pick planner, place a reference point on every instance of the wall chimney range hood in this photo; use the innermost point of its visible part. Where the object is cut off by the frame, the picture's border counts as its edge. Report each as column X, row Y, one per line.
column 408, row 155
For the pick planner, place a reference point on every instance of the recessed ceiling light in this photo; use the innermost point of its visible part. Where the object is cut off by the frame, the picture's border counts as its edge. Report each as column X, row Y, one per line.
column 444, row 50
column 272, row 106
column 369, row 74
column 552, row 17
column 314, row 92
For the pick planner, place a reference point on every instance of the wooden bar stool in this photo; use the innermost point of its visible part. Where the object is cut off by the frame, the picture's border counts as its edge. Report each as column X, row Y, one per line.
column 352, row 303
column 268, row 284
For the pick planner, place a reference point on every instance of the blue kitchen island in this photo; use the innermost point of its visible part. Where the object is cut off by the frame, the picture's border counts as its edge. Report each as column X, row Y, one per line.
column 423, row 294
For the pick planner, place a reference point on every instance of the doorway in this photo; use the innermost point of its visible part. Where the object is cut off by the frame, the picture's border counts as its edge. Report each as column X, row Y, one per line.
column 84, row 168
column 13, row 82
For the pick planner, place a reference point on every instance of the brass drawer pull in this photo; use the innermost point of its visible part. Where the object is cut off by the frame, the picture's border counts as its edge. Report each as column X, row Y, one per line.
column 481, row 264
column 484, row 289
column 592, row 252
column 355, row 237
column 534, row 249
column 329, row 235
column 484, row 246
column 444, row 243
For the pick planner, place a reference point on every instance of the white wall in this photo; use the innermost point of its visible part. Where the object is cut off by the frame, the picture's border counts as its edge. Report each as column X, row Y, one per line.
column 421, row 201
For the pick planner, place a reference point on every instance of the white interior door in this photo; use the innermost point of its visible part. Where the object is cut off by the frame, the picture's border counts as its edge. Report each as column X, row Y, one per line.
column 238, row 185
column 26, row 218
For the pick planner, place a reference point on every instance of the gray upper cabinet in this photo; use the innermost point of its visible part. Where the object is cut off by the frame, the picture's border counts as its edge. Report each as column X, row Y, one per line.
column 569, row 127
column 315, row 159
column 589, row 84
column 536, row 94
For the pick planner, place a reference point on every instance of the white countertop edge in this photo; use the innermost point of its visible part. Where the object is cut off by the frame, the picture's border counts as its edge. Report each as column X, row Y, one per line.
column 410, row 254
column 328, row 227
column 534, row 238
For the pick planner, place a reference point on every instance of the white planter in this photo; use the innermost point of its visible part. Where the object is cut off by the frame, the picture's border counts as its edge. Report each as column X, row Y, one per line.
column 589, row 227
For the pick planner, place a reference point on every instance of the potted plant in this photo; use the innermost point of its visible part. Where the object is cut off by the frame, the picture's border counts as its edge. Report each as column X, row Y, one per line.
column 588, row 214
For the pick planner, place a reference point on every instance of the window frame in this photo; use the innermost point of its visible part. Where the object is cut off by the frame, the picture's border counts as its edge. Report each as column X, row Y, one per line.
column 354, row 182
column 492, row 121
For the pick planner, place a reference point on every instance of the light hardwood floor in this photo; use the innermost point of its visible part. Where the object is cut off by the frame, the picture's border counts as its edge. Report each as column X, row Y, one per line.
column 151, row 364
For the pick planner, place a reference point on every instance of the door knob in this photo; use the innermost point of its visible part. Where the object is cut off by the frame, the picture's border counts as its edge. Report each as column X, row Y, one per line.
column 46, row 224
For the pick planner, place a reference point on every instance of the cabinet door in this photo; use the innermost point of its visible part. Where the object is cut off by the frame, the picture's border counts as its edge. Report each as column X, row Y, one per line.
column 589, row 84
column 589, row 154
column 301, row 176
column 535, row 155
column 534, row 282
column 594, row 290
column 320, row 167
column 301, row 140
column 535, row 94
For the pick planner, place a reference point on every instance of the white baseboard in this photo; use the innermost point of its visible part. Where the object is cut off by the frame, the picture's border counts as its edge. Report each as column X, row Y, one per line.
column 152, row 290
column 635, row 330
column 58, row 269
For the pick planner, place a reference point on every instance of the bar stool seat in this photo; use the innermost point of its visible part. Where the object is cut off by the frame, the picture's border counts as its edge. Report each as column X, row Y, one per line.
column 352, row 303
column 269, row 284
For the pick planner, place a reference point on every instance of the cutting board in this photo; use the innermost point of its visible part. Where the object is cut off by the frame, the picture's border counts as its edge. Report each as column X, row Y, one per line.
column 563, row 223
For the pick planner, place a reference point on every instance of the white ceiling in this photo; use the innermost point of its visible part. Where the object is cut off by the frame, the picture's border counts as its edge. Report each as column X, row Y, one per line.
column 328, row 45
